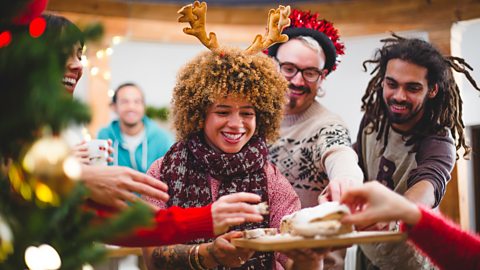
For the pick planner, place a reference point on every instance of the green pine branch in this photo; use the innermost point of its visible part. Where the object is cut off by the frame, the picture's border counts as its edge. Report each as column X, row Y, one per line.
column 33, row 97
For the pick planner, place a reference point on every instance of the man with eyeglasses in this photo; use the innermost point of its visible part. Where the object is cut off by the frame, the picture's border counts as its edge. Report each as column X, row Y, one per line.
column 314, row 150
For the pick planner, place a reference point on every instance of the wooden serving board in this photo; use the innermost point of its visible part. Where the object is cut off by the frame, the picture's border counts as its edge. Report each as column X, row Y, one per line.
column 286, row 242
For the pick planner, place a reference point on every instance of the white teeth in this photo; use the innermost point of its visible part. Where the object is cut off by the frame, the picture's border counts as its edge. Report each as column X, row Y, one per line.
column 297, row 92
column 399, row 107
column 232, row 136
column 68, row 80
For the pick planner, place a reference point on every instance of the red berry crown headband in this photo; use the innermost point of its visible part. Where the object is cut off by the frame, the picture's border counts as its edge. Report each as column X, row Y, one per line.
column 303, row 23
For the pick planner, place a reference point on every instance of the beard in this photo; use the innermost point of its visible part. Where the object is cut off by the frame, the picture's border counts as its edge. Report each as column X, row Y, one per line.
column 132, row 124
column 398, row 118
column 292, row 101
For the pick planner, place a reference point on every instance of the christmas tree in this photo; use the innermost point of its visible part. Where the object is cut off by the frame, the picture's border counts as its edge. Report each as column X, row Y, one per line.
column 43, row 221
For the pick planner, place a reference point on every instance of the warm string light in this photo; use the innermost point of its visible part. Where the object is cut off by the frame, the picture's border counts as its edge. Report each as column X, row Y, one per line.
column 116, row 40
column 84, row 61
column 44, row 257
column 91, row 61
column 88, row 267
column 110, row 93
column 109, row 51
column 86, row 134
column 94, row 71
column 107, row 76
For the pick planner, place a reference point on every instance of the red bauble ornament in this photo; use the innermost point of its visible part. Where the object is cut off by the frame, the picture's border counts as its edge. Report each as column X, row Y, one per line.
column 37, row 27
column 5, row 38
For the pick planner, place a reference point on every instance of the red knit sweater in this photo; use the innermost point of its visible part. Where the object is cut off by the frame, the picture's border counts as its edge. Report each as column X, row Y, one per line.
column 174, row 225
column 444, row 242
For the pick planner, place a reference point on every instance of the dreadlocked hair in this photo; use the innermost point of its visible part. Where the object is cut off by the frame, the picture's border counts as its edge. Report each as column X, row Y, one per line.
column 441, row 112
column 228, row 72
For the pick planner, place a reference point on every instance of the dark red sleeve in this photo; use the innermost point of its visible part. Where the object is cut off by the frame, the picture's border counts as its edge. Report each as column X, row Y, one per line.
column 174, row 225
column 444, row 242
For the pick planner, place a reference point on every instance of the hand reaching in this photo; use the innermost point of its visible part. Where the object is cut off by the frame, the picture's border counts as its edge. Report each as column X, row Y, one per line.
column 114, row 186
column 233, row 209
column 335, row 189
column 373, row 202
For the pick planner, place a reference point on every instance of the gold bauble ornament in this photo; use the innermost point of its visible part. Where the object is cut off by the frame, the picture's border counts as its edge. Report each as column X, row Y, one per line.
column 50, row 162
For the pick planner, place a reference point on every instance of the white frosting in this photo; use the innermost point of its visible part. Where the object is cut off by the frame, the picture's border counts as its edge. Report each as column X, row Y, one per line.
column 306, row 215
column 307, row 222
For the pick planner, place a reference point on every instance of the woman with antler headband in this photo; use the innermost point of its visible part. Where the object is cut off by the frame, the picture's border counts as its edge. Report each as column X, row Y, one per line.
column 113, row 186
column 226, row 104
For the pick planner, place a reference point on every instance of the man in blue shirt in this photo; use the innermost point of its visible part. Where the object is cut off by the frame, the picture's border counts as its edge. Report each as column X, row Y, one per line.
column 137, row 140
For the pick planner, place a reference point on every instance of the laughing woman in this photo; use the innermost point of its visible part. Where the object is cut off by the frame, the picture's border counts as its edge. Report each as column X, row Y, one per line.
column 226, row 105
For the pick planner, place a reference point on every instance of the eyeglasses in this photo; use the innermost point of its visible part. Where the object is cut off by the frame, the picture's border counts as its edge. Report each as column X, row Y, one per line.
column 310, row 74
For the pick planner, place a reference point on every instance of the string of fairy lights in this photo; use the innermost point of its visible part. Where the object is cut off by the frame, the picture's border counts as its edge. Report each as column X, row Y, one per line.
column 91, row 65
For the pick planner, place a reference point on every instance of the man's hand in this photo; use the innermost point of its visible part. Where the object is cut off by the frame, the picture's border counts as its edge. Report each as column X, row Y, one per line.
column 336, row 188
column 114, row 186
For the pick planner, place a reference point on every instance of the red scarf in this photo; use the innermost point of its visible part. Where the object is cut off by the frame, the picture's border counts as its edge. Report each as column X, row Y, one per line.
column 188, row 164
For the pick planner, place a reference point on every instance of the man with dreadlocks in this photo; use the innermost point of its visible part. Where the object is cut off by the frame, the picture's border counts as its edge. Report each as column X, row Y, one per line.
column 409, row 134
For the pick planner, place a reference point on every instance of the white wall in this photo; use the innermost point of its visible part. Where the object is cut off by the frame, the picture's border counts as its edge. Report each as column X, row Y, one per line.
column 464, row 43
column 154, row 66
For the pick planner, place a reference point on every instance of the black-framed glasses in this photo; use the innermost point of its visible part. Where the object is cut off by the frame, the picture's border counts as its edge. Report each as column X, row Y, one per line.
column 289, row 70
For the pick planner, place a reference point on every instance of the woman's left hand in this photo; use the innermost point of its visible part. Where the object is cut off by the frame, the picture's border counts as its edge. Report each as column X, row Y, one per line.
column 226, row 254
column 306, row 258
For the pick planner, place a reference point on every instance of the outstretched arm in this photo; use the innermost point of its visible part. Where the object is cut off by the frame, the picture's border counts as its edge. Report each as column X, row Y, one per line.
column 178, row 225
column 372, row 202
column 114, row 186
column 339, row 161
column 443, row 241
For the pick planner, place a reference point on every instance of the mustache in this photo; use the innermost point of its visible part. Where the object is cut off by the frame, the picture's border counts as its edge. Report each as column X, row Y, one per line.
column 394, row 102
column 299, row 87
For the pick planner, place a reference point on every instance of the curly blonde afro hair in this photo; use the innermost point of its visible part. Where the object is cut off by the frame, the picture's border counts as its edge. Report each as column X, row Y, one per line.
column 228, row 72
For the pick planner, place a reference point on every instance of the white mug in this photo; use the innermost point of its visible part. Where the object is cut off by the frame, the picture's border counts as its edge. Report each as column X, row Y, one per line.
column 98, row 152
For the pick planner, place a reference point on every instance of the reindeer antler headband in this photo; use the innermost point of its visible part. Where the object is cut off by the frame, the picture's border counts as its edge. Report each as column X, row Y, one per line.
column 195, row 15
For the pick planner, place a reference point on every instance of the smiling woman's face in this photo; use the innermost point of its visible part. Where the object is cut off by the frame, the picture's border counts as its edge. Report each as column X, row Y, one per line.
column 229, row 124
column 73, row 68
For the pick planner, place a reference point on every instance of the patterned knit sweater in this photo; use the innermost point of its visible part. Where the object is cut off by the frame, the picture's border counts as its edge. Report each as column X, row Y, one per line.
column 314, row 147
